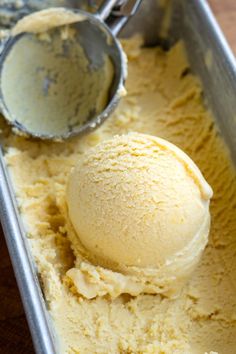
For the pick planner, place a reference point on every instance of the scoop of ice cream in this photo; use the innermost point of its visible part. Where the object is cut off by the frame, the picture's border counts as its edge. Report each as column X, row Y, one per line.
column 140, row 208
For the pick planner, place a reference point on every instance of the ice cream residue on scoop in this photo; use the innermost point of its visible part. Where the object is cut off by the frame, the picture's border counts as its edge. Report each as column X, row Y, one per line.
column 55, row 74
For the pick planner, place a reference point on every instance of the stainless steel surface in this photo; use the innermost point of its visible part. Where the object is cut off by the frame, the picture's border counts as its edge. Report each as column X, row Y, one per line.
column 191, row 21
column 120, row 14
column 118, row 8
column 106, row 8
column 97, row 41
column 213, row 61
column 24, row 267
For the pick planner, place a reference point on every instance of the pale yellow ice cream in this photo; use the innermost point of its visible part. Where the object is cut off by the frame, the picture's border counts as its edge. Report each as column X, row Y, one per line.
column 140, row 207
column 163, row 99
column 44, row 20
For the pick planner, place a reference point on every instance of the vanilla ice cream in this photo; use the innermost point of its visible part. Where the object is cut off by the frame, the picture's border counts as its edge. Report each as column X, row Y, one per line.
column 167, row 103
column 140, row 207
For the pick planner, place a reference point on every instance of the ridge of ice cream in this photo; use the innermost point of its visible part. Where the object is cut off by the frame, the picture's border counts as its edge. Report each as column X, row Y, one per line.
column 44, row 20
column 140, row 208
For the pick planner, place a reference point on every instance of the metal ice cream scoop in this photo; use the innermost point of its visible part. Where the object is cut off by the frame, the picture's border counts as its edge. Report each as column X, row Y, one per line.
column 64, row 77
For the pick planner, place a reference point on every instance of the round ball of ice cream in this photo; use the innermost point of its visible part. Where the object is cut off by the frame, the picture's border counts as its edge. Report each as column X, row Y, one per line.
column 138, row 201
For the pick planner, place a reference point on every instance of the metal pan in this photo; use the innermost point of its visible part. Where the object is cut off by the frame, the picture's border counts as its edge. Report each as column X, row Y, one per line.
column 211, row 59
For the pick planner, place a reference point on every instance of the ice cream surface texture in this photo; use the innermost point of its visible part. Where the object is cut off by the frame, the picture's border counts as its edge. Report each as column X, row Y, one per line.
column 140, row 207
column 45, row 20
column 163, row 99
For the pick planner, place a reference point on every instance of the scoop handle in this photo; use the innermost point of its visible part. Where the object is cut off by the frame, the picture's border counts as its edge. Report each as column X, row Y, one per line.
column 117, row 12
column 105, row 9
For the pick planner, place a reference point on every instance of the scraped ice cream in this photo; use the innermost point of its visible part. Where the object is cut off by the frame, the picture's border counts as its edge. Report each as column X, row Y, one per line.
column 167, row 103
column 45, row 20
column 140, row 208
